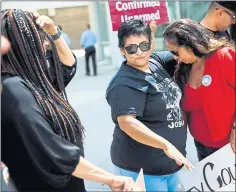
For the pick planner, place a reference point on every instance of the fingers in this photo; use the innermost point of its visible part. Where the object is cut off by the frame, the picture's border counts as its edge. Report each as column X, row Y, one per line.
column 188, row 165
column 153, row 23
column 40, row 21
column 184, row 161
column 41, row 24
column 36, row 14
column 178, row 161
column 128, row 185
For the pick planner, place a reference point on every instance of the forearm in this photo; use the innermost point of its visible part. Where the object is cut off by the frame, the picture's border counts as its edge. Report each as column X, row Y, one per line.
column 139, row 132
column 89, row 171
column 153, row 28
column 64, row 52
column 153, row 42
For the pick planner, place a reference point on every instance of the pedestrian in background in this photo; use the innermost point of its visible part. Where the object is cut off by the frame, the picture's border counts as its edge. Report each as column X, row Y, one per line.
column 88, row 40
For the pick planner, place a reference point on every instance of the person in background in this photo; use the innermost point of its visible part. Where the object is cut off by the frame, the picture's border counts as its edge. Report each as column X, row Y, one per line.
column 88, row 40
column 206, row 75
column 219, row 17
column 150, row 131
column 42, row 136
column 65, row 36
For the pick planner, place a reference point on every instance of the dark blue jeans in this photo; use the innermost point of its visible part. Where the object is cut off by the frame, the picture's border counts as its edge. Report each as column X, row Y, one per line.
column 204, row 151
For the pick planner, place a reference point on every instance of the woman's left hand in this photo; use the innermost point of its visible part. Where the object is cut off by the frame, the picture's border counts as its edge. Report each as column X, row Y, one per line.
column 46, row 23
column 232, row 140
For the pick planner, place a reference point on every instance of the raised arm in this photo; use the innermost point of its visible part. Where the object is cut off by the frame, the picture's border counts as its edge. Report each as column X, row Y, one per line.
column 64, row 52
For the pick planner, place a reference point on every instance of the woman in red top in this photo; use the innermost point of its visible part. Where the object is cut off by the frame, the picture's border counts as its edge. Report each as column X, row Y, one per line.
column 206, row 75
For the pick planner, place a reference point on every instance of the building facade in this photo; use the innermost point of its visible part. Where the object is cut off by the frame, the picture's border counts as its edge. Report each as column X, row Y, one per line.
column 73, row 15
column 108, row 42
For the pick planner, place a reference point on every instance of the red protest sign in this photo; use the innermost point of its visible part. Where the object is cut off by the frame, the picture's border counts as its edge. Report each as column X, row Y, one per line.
column 145, row 10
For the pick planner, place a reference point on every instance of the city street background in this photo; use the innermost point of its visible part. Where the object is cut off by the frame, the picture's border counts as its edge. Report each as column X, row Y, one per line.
column 87, row 96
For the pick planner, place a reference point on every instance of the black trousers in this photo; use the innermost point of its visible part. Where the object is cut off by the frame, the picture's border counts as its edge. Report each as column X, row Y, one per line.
column 90, row 52
column 204, row 151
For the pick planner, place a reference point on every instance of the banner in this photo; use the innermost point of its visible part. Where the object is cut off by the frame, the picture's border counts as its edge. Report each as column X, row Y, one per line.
column 214, row 173
column 145, row 10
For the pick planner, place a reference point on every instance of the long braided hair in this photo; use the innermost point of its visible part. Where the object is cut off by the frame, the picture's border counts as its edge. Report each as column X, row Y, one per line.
column 27, row 59
column 190, row 34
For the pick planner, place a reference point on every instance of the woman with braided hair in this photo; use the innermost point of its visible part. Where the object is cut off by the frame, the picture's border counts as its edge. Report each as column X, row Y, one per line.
column 42, row 142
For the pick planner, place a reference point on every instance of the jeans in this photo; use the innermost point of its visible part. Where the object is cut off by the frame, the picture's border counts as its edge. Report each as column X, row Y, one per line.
column 204, row 151
column 153, row 182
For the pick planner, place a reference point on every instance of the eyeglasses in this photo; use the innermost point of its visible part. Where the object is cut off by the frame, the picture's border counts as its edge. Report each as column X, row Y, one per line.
column 133, row 48
column 232, row 15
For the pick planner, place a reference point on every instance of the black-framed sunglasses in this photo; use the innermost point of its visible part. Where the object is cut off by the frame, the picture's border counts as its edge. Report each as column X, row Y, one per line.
column 232, row 15
column 176, row 53
column 133, row 48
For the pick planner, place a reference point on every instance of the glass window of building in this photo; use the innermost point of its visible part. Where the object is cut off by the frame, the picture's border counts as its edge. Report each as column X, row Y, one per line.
column 103, row 31
column 194, row 10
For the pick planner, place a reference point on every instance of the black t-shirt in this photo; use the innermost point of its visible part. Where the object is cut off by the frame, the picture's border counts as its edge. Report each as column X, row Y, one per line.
column 155, row 100
column 68, row 72
column 37, row 158
column 219, row 34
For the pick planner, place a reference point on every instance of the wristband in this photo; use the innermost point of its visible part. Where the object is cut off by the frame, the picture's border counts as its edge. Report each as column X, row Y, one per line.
column 57, row 35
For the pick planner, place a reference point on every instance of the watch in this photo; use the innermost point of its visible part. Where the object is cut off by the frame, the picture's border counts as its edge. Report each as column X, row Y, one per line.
column 57, row 35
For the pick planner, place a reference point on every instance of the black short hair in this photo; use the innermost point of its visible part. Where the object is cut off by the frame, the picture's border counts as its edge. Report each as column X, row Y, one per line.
column 133, row 27
column 231, row 5
column 59, row 26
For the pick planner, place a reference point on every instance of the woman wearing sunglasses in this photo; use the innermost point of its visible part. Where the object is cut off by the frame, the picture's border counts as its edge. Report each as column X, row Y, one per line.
column 206, row 75
column 150, row 131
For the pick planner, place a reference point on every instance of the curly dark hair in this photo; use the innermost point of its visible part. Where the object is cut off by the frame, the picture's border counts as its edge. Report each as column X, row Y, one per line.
column 133, row 27
column 191, row 34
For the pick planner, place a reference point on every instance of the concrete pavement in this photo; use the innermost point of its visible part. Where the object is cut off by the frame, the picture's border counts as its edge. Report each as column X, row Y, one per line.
column 87, row 96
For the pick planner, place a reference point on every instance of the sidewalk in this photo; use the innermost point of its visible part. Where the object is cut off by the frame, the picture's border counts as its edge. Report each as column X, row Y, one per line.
column 103, row 67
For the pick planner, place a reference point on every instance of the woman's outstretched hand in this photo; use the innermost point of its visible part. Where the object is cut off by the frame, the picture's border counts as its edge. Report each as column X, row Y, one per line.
column 174, row 154
column 121, row 183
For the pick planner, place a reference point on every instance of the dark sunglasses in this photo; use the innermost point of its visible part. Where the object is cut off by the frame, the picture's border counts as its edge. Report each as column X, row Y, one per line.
column 176, row 53
column 133, row 48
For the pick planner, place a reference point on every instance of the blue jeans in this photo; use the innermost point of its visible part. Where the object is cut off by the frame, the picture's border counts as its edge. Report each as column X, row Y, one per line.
column 152, row 182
